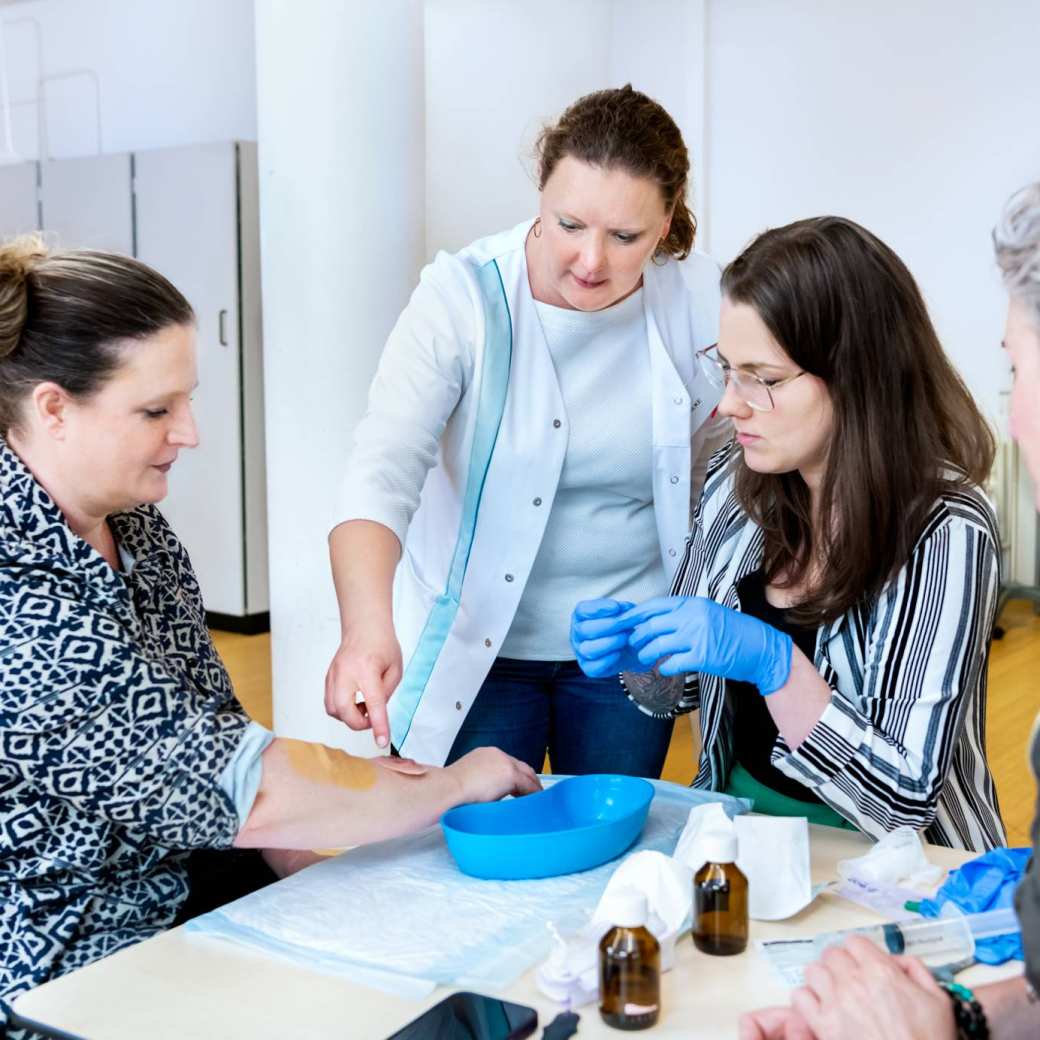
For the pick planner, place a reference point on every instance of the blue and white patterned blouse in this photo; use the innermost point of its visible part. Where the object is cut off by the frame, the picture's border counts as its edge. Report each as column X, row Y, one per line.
column 117, row 724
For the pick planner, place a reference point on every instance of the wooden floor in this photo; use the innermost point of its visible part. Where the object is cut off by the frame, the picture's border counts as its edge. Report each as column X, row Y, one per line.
column 1014, row 702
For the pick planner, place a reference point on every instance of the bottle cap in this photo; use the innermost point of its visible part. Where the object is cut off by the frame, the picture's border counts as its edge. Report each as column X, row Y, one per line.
column 629, row 909
column 720, row 848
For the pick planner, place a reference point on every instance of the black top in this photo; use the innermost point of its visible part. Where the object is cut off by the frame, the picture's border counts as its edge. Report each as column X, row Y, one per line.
column 755, row 731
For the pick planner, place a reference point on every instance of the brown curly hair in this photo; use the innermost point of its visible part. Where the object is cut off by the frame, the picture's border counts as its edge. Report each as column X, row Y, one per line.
column 624, row 129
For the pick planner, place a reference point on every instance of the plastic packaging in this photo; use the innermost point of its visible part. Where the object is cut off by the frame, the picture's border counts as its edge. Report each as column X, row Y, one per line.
column 414, row 896
column 630, row 968
column 895, row 858
column 720, row 900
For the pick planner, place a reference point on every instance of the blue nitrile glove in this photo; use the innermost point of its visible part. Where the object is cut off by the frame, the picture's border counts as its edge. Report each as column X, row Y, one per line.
column 694, row 634
column 600, row 645
column 987, row 882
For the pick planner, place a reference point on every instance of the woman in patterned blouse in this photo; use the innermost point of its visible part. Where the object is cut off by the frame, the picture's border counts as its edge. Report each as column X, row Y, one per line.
column 122, row 747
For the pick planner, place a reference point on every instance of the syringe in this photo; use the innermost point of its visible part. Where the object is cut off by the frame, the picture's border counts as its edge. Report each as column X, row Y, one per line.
column 947, row 939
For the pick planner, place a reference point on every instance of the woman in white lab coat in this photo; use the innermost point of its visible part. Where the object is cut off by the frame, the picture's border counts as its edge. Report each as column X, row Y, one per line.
column 535, row 429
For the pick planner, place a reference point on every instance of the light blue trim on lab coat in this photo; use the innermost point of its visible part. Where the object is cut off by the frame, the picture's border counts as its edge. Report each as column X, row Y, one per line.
column 494, row 387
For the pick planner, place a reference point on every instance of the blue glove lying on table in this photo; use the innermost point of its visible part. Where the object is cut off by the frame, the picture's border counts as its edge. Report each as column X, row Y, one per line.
column 679, row 634
column 987, row 882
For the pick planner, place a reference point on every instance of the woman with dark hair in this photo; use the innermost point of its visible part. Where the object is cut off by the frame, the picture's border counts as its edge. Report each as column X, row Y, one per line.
column 538, row 395
column 857, row 990
column 122, row 747
column 832, row 613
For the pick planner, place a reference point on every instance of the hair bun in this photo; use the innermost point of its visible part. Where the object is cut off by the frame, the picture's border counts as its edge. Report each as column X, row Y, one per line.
column 18, row 259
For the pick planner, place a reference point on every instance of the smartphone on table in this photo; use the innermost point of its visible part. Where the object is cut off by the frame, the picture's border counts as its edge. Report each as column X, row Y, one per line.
column 471, row 1016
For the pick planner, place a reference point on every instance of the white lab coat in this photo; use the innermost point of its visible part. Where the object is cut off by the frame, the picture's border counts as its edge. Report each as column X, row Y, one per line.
column 408, row 466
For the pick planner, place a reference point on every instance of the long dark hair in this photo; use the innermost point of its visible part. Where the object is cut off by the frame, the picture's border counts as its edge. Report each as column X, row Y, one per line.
column 845, row 308
column 66, row 317
column 624, row 129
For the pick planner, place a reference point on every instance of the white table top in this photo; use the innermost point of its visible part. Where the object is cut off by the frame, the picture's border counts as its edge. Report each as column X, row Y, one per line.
column 187, row 985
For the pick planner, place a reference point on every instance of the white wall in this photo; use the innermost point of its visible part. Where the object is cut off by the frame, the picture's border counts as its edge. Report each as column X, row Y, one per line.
column 896, row 118
column 341, row 152
column 917, row 119
column 170, row 72
column 497, row 70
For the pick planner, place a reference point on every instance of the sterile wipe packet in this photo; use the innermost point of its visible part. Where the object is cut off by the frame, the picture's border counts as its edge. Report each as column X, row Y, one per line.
column 772, row 851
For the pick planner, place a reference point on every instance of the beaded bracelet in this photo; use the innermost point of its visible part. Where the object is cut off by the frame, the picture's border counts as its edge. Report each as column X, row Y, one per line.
column 968, row 1015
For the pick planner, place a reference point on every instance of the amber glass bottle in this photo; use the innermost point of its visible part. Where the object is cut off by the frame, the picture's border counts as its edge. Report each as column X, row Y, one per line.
column 630, row 968
column 720, row 900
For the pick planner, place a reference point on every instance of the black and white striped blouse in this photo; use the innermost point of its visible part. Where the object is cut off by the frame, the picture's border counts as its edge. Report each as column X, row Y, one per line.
column 903, row 738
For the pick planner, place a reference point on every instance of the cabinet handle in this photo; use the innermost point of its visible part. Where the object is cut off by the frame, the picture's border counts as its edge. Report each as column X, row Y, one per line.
column 222, row 328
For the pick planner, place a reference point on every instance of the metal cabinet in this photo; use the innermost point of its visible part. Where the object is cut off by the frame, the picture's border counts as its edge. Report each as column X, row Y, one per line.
column 87, row 203
column 196, row 221
column 19, row 212
column 191, row 213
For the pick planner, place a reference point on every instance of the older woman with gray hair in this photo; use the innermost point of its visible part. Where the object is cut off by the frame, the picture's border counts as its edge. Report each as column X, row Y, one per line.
column 856, row 990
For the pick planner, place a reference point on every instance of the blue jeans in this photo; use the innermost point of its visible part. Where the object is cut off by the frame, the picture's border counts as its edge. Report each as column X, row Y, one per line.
column 587, row 725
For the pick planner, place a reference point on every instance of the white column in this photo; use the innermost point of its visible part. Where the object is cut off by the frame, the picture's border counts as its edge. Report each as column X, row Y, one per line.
column 342, row 218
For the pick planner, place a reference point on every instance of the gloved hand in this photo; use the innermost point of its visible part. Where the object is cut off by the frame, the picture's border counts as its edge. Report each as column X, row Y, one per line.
column 599, row 643
column 987, row 882
column 694, row 634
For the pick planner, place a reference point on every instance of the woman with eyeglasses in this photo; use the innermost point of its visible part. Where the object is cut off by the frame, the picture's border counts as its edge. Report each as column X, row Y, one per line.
column 832, row 612
column 856, row 990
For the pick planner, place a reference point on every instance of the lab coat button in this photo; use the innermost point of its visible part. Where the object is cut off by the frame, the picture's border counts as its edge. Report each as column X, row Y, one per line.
column 487, row 642
column 458, row 705
column 537, row 501
column 671, row 552
column 679, row 400
column 557, row 423
column 509, row 577
column 675, row 480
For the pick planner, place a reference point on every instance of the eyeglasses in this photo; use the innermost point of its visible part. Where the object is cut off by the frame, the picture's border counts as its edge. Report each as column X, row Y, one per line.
column 754, row 391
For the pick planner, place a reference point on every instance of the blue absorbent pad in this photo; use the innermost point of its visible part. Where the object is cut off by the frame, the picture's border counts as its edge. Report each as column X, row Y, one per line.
column 400, row 915
column 987, row 882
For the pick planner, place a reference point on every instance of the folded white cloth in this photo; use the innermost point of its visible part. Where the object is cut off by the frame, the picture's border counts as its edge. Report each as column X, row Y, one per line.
column 895, row 858
column 772, row 851
column 571, row 973
column 893, row 872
